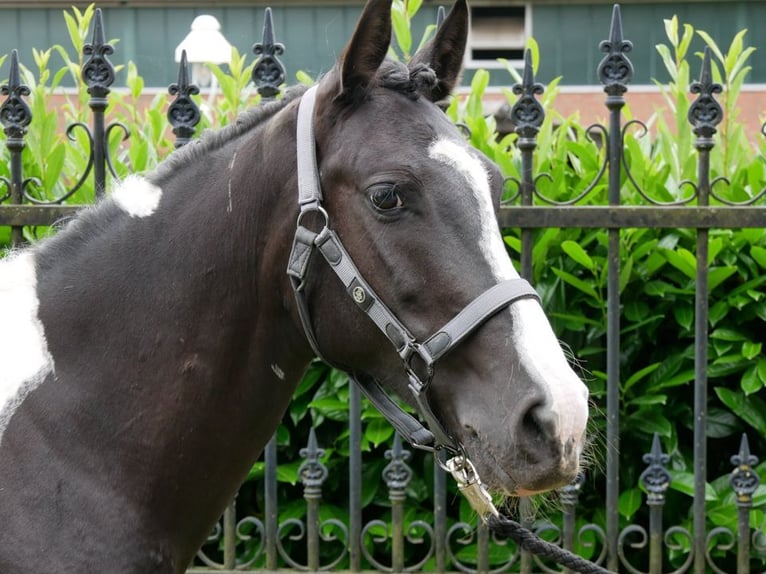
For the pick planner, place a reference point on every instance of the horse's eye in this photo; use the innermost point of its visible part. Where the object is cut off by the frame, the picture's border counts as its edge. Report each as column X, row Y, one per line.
column 384, row 196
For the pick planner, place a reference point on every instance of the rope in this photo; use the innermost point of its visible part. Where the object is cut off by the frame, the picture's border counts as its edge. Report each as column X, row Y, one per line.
column 529, row 541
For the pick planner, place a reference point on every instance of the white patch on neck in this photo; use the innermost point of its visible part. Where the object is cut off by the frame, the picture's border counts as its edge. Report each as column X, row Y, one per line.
column 24, row 357
column 538, row 349
column 137, row 196
column 470, row 167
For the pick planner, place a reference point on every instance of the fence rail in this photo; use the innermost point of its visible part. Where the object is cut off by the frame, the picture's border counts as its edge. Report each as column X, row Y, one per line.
column 266, row 542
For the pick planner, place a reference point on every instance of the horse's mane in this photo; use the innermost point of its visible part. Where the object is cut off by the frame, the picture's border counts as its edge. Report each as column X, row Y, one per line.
column 215, row 139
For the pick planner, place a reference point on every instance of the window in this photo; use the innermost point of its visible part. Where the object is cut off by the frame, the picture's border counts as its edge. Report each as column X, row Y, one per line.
column 496, row 32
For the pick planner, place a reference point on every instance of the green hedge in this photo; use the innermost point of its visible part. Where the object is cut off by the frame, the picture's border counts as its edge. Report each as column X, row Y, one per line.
column 656, row 282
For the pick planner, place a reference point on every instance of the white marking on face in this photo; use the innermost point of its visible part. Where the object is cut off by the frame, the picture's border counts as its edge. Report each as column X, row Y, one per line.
column 539, row 350
column 541, row 356
column 137, row 196
column 24, row 357
column 471, row 168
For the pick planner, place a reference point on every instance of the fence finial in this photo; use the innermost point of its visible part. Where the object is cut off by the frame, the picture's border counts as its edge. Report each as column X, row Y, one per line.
column 97, row 71
column 527, row 113
column 183, row 113
column 744, row 479
column 15, row 114
column 705, row 112
column 615, row 70
column 268, row 71
column 656, row 477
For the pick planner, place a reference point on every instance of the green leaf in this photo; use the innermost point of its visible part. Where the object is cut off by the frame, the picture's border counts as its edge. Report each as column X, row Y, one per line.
column 640, row 374
column 684, row 482
column 577, row 283
column 629, row 502
column 684, row 315
column 728, row 335
column 751, row 382
column 759, row 254
column 576, row 252
column 751, row 409
column 650, row 421
column 683, row 260
column 401, row 28
column 751, row 350
column 413, row 6
column 378, row 431
column 717, row 312
column 721, row 423
column 647, row 400
column 717, row 275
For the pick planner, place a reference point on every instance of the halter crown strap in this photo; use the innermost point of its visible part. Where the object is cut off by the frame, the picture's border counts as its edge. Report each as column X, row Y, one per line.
column 309, row 190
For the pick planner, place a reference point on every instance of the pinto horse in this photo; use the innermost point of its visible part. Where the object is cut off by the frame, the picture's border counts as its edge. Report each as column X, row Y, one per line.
column 154, row 343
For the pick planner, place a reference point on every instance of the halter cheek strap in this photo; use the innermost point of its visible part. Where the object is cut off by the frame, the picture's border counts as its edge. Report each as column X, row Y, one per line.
column 418, row 358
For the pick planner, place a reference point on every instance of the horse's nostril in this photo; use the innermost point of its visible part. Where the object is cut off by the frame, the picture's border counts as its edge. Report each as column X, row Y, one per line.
column 470, row 431
column 538, row 423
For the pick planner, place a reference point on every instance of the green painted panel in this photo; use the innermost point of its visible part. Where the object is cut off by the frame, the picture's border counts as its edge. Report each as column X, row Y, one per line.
column 569, row 36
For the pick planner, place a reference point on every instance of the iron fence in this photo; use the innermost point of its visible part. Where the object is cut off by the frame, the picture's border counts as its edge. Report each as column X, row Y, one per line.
column 268, row 541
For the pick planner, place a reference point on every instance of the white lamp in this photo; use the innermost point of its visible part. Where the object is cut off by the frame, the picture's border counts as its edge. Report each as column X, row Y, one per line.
column 204, row 44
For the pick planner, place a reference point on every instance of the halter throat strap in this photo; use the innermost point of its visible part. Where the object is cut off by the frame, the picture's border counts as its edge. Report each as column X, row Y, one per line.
column 418, row 358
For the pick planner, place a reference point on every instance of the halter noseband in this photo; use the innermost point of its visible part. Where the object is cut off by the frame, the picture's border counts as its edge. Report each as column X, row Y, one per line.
column 418, row 358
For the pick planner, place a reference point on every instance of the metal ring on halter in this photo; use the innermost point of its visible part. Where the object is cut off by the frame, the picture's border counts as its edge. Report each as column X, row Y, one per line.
column 311, row 208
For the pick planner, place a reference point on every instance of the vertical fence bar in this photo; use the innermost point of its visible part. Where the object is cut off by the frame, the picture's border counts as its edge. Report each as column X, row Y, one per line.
column 744, row 481
column 397, row 475
column 527, row 514
column 15, row 116
column 312, row 473
column 440, row 515
column 271, row 509
column 704, row 114
column 527, row 115
column 98, row 75
column 656, row 480
column 568, row 496
column 230, row 535
column 355, row 479
column 615, row 72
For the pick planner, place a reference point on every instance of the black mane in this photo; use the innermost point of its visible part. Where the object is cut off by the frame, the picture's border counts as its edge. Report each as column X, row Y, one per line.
column 214, row 139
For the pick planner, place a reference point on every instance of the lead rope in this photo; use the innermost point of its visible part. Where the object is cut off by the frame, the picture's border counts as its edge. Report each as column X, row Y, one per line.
column 470, row 486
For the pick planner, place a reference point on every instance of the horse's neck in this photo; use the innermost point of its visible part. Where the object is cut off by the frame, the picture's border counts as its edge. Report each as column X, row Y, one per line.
column 171, row 328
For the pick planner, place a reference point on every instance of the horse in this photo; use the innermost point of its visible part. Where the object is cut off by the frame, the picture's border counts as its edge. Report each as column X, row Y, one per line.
column 154, row 343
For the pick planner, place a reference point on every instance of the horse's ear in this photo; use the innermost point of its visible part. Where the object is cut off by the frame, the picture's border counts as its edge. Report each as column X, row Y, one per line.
column 444, row 52
column 366, row 50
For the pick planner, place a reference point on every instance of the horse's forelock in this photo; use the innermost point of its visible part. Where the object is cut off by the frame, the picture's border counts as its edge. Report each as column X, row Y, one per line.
column 412, row 82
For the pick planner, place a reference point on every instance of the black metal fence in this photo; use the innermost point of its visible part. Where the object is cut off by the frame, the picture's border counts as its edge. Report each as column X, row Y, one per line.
column 268, row 541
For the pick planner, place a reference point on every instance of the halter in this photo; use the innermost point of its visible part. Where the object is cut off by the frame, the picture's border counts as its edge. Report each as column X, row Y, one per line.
column 417, row 357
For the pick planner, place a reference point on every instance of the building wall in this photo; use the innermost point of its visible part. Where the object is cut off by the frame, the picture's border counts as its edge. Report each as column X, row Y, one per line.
column 568, row 34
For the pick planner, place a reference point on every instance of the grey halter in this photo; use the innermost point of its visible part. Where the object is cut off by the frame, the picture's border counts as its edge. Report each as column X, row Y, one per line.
column 418, row 357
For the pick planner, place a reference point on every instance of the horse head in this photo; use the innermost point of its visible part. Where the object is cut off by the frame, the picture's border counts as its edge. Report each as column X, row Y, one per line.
column 415, row 208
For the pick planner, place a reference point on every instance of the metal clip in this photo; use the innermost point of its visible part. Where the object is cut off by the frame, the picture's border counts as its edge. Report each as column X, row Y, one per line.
column 470, row 486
